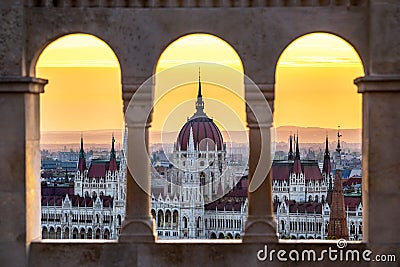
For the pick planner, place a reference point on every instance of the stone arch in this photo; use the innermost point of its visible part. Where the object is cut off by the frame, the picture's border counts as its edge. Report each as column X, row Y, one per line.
column 174, row 38
column 237, row 236
column 213, row 235
column 37, row 48
column 221, row 236
column 229, row 236
column 354, row 42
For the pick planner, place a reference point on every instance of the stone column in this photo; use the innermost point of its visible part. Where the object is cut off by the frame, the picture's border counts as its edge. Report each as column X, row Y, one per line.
column 138, row 225
column 260, row 225
column 20, row 165
column 381, row 160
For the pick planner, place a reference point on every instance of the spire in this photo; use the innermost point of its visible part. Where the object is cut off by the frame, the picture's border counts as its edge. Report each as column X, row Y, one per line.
column 338, row 149
column 81, row 152
column 112, row 153
column 190, row 146
column 290, row 155
column 199, row 102
column 337, row 221
column 199, row 91
column 297, row 156
column 326, row 155
column 326, row 168
column 82, row 161
column 297, row 164
column 113, row 161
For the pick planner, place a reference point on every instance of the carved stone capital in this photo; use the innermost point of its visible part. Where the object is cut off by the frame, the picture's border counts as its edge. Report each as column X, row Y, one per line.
column 138, row 230
column 260, row 230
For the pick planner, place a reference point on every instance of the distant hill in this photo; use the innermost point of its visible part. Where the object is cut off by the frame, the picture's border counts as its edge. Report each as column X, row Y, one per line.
column 102, row 138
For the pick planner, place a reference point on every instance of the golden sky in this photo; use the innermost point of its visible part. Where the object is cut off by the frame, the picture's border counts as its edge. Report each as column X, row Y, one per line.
column 314, row 84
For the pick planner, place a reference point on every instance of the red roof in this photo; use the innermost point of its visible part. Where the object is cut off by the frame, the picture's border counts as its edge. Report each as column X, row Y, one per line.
column 297, row 166
column 301, row 207
column 234, row 199
column 98, row 168
column 203, row 129
column 282, row 169
column 57, row 191
column 82, row 164
column 352, row 202
column 76, row 201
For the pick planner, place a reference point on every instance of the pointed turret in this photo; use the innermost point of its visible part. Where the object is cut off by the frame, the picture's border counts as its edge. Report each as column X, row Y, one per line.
column 190, row 146
column 113, row 161
column 199, row 102
column 82, row 161
column 297, row 156
column 326, row 169
column 337, row 221
column 290, row 155
column 297, row 164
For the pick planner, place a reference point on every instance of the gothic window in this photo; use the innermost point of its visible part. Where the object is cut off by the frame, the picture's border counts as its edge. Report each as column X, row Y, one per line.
column 160, row 218
column 82, row 234
column 66, row 233
column 175, row 218
column 184, row 222
column 352, row 228
column 98, row 233
column 45, row 233
column 89, row 234
column 106, row 234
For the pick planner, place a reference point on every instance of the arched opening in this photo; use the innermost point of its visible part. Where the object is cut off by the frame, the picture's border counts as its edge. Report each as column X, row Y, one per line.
column 75, row 233
column 119, row 220
column 106, row 234
column 237, row 236
column 58, row 233
column 84, row 82
column 160, row 217
column 314, row 95
column 82, row 234
column 98, row 236
column 186, row 64
column 229, row 236
column 221, row 236
column 168, row 218
column 175, row 218
column 52, row 233
column 89, row 233
column 66, row 233
column 185, row 222
column 45, row 233
column 213, row 236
